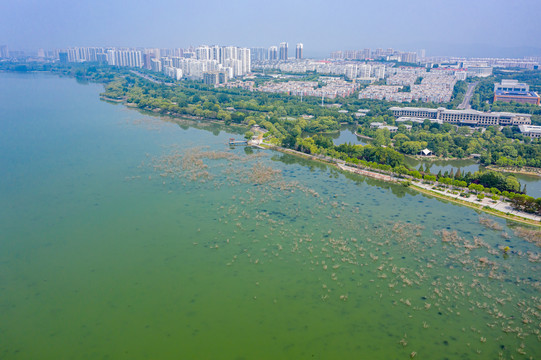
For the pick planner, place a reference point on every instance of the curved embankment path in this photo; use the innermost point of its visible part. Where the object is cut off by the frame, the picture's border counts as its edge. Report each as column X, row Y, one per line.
column 498, row 208
column 494, row 207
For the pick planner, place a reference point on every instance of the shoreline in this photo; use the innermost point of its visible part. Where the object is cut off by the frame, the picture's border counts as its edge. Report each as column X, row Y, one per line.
column 477, row 206
column 386, row 178
column 116, row 101
column 434, row 158
column 363, row 172
column 514, row 170
column 362, row 136
column 414, row 157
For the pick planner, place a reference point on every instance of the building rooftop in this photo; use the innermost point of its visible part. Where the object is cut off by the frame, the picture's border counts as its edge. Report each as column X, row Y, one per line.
column 530, row 128
column 509, row 82
column 532, row 94
column 418, row 120
column 396, row 108
column 453, row 111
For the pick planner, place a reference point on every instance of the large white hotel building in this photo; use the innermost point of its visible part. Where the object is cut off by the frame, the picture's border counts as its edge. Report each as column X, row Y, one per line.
column 463, row 117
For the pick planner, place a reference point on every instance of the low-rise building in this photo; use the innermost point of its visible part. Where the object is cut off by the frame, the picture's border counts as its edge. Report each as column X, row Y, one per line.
column 511, row 85
column 419, row 120
column 332, row 88
column 464, row 117
column 379, row 125
column 391, row 128
column 435, row 86
column 512, row 90
column 532, row 131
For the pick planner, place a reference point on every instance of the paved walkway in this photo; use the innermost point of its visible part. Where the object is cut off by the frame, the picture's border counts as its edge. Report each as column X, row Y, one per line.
column 367, row 173
column 499, row 205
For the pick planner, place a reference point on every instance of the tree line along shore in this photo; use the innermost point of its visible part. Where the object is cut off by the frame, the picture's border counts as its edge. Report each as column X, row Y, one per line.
column 448, row 186
column 295, row 123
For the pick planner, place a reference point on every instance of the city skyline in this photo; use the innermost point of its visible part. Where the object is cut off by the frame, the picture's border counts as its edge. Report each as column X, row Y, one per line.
column 486, row 28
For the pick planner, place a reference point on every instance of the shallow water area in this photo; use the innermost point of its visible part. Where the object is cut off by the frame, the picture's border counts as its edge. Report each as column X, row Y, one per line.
column 126, row 236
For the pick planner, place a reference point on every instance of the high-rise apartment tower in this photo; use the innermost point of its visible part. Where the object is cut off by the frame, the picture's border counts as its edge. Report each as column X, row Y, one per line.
column 283, row 51
column 299, row 51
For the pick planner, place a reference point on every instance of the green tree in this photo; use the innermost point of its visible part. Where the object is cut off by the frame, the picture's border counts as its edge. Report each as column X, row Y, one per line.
column 289, row 142
column 399, row 139
column 512, row 184
column 412, row 147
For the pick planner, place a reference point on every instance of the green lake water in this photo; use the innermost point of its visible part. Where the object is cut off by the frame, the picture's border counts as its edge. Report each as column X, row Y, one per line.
column 126, row 236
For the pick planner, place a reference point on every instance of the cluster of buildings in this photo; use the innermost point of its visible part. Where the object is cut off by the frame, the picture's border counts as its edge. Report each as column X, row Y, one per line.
column 433, row 86
column 380, row 125
column 404, row 76
column 512, row 90
column 475, row 68
column 461, row 117
column 191, row 63
column 464, row 69
column 364, row 72
column 239, row 84
column 332, row 87
column 531, row 63
column 276, row 53
column 379, row 54
column 216, row 65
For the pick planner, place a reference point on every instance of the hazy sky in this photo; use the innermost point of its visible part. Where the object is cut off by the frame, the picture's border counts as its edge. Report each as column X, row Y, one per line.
column 461, row 27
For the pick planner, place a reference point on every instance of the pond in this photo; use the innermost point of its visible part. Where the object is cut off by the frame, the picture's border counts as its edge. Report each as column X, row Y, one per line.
column 347, row 135
column 532, row 182
column 466, row 165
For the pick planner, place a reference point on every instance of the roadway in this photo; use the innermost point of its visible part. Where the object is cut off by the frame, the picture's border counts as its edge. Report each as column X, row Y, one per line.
column 150, row 78
column 467, row 97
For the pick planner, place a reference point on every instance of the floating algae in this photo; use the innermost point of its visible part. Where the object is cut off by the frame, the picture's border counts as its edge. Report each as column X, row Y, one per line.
column 246, row 257
column 444, row 273
column 472, row 264
column 489, row 223
column 531, row 235
column 261, row 174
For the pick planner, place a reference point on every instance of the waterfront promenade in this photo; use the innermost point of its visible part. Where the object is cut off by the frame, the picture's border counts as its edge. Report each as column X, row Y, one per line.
column 339, row 163
column 367, row 173
column 503, row 208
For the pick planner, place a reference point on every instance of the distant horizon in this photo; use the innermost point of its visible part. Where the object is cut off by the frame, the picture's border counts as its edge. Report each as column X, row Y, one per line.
column 473, row 51
column 484, row 28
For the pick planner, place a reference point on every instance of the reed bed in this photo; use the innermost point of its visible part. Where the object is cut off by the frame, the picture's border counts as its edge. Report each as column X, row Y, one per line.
column 490, row 224
column 443, row 272
column 530, row 235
